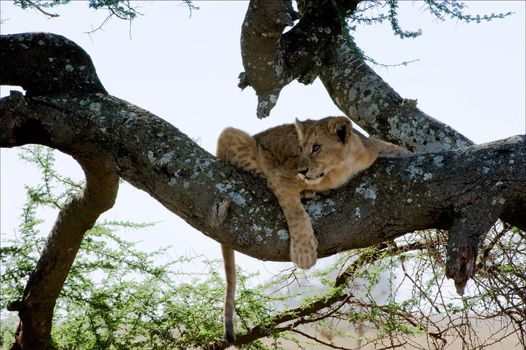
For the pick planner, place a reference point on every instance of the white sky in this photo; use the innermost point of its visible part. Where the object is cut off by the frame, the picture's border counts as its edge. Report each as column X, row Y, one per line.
column 184, row 69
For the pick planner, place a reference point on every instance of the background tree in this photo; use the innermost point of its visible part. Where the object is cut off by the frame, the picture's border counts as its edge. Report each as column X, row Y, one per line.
column 183, row 184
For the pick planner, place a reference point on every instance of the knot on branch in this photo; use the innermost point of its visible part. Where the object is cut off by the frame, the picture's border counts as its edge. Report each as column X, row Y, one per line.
column 219, row 212
column 16, row 305
column 46, row 64
column 243, row 81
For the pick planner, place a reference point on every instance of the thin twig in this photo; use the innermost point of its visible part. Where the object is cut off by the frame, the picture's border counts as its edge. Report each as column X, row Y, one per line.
column 39, row 8
column 319, row 340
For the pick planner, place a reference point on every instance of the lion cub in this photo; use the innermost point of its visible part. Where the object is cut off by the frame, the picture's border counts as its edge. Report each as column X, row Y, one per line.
column 297, row 160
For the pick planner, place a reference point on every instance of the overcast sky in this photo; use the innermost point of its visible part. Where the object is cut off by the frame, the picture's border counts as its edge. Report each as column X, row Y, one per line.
column 184, row 69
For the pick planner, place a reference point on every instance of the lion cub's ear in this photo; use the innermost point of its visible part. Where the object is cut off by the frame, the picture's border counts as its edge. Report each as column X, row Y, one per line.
column 300, row 129
column 341, row 127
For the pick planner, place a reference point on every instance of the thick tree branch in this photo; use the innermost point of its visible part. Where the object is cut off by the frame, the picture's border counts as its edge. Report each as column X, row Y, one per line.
column 369, row 101
column 305, row 45
column 45, row 283
column 235, row 208
column 430, row 190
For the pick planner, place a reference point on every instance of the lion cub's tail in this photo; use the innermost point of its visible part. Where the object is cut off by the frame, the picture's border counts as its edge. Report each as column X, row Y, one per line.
column 230, row 292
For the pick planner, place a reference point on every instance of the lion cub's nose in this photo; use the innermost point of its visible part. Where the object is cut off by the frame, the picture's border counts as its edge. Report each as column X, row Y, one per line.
column 303, row 171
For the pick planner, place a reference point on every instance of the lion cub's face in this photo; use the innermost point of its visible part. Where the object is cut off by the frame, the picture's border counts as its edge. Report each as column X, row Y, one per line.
column 323, row 146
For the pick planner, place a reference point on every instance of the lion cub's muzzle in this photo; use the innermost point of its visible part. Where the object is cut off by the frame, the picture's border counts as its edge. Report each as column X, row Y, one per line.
column 310, row 176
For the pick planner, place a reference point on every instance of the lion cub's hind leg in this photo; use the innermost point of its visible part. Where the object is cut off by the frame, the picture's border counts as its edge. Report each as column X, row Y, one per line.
column 240, row 149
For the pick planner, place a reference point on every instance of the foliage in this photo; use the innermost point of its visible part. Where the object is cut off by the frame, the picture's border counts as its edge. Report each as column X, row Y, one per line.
column 115, row 297
column 380, row 11
column 122, row 9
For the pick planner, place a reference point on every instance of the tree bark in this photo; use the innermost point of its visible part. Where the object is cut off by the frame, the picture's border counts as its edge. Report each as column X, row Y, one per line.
column 52, row 64
column 464, row 191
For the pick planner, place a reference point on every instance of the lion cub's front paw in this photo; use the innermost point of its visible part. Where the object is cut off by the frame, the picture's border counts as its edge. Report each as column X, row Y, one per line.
column 303, row 252
column 307, row 194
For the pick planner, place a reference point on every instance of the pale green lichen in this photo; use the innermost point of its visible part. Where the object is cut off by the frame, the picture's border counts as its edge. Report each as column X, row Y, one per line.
column 223, row 187
column 438, row 161
column 151, row 156
column 316, row 209
column 414, row 172
column 368, row 192
column 283, row 234
column 498, row 200
column 236, row 197
column 166, row 158
column 95, row 107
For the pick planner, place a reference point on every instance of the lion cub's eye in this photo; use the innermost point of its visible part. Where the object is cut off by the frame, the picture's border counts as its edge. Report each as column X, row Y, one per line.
column 315, row 148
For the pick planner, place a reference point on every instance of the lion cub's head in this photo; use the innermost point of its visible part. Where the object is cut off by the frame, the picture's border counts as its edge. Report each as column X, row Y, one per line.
column 324, row 145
